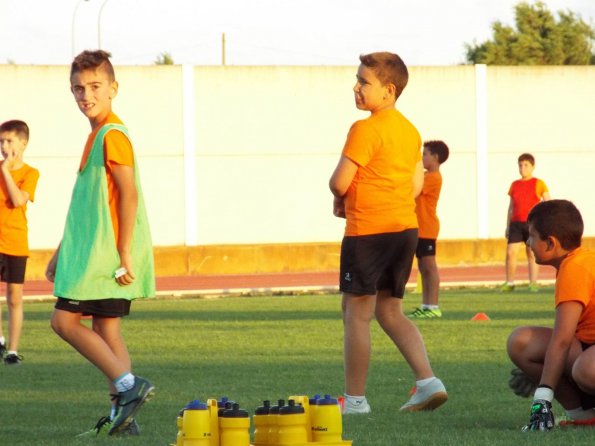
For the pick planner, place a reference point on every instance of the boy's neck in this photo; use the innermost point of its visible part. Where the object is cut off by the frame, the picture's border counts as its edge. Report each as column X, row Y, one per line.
column 99, row 121
column 527, row 178
column 433, row 168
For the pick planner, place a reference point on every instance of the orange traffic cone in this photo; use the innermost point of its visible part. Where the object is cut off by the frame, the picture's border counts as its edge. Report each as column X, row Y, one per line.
column 480, row 317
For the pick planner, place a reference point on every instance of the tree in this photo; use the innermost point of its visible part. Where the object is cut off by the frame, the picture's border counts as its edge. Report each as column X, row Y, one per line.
column 164, row 59
column 537, row 40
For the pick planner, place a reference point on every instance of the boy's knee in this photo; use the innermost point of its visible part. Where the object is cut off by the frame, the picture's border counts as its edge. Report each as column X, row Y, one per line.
column 517, row 341
column 583, row 374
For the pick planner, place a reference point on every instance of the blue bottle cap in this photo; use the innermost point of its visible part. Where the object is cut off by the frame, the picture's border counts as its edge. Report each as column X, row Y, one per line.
column 195, row 405
column 326, row 401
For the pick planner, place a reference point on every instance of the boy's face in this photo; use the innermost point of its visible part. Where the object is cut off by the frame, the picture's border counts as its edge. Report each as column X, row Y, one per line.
column 93, row 92
column 429, row 159
column 12, row 144
column 369, row 92
column 541, row 248
column 526, row 169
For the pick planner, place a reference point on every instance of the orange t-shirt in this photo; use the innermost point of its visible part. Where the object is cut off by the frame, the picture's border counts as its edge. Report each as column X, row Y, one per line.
column 576, row 282
column 426, row 204
column 525, row 194
column 14, row 234
column 386, row 148
column 117, row 149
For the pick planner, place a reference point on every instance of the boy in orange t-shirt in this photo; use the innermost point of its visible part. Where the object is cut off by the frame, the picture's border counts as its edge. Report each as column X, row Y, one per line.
column 524, row 194
column 434, row 154
column 561, row 359
column 374, row 185
column 17, row 187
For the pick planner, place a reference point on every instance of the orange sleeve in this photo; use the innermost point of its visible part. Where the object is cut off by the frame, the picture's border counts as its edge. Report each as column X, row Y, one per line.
column 361, row 143
column 541, row 188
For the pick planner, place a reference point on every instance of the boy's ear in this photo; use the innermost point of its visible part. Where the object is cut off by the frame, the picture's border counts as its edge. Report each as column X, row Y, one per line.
column 391, row 90
column 113, row 90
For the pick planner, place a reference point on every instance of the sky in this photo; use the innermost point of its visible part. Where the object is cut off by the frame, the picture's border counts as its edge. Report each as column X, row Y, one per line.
column 257, row 32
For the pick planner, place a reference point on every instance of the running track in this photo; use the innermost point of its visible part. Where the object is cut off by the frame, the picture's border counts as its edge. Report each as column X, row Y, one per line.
column 297, row 282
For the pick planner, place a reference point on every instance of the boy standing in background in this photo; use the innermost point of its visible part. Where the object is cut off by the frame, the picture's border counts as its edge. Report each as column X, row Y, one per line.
column 524, row 194
column 434, row 154
column 105, row 258
column 17, row 187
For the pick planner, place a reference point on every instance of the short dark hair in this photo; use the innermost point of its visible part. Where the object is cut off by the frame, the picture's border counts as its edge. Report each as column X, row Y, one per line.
column 19, row 127
column 437, row 147
column 560, row 219
column 93, row 60
column 389, row 69
column 527, row 157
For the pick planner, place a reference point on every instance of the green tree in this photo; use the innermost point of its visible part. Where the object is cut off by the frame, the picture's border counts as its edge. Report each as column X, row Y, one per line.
column 164, row 59
column 539, row 39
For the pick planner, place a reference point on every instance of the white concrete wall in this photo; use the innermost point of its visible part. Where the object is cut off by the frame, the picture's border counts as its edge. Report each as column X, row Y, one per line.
column 267, row 140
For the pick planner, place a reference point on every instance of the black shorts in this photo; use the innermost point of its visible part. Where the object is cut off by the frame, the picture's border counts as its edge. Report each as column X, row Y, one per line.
column 587, row 400
column 12, row 268
column 425, row 247
column 370, row 263
column 518, row 231
column 100, row 307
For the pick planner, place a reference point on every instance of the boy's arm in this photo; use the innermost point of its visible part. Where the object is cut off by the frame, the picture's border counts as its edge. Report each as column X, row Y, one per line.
column 124, row 180
column 545, row 196
column 563, row 336
column 342, row 176
column 17, row 196
column 508, row 217
column 418, row 179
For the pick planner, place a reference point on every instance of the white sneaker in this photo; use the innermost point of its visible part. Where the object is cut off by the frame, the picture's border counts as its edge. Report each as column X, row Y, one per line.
column 428, row 397
column 354, row 406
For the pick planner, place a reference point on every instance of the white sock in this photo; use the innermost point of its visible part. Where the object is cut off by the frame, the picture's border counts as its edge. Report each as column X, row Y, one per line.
column 424, row 382
column 112, row 414
column 429, row 307
column 11, row 352
column 580, row 414
column 353, row 399
column 2, row 340
column 124, row 382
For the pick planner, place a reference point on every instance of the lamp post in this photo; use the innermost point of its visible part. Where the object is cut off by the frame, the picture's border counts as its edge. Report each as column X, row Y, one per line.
column 73, row 20
column 99, row 23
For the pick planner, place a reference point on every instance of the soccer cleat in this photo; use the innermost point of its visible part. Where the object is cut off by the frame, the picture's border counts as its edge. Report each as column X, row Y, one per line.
column 428, row 397
column 2, row 350
column 12, row 359
column 129, row 403
column 103, row 426
column 533, row 288
column 352, row 406
column 506, row 288
column 425, row 313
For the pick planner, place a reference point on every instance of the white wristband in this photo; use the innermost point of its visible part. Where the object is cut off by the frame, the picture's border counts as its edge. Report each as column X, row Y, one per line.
column 544, row 393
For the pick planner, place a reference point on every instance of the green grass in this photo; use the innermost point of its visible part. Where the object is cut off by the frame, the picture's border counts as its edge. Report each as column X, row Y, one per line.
column 255, row 348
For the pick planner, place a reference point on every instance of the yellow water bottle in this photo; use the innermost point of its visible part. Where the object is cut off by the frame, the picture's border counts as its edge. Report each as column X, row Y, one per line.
column 234, row 426
column 292, row 424
column 180, row 434
column 327, row 423
column 261, row 423
column 196, row 425
column 273, row 423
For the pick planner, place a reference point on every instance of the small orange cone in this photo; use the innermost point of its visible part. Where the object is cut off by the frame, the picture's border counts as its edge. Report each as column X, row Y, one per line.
column 480, row 317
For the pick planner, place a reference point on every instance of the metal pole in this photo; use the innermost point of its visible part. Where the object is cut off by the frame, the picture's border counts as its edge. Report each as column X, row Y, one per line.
column 73, row 20
column 223, row 49
column 99, row 23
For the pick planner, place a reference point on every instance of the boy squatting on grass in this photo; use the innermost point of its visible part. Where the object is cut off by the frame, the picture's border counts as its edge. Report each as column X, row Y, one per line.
column 374, row 186
column 524, row 194
column 560, row 361
column 435, row 153
column 17, row 187
column 105, row 258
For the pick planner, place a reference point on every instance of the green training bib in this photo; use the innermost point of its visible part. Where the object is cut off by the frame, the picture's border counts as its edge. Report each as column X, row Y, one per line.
column 88, row 254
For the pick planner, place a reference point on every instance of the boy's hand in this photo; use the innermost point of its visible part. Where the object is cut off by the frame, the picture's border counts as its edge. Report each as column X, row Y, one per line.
column 339, row 207
column 12, row 156
column 126, row 266
column 542, row 417
column 521, row 384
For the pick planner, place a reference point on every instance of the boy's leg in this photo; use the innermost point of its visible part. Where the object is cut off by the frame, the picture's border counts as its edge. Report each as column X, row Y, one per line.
column 512, row 252
column 526, row 348
column 404, row 334
column 14, row 302
column 358, row 311
column 533, row 267
column 430, row 279
column 88, row 343
column 583, row 372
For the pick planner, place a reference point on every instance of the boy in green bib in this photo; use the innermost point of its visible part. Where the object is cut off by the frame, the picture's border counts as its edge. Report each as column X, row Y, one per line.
column 105, row 258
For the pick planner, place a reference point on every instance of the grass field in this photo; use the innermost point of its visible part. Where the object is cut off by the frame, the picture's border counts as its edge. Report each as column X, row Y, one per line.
column 255, row 348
